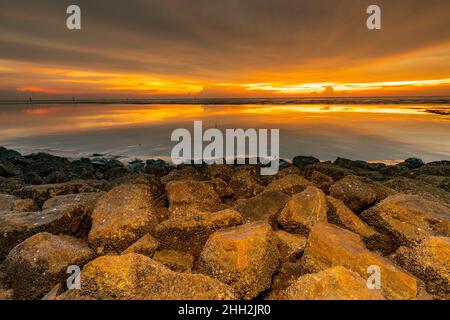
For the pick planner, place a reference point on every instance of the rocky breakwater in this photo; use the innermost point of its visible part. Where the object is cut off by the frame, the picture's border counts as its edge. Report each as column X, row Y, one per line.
column 148, row 230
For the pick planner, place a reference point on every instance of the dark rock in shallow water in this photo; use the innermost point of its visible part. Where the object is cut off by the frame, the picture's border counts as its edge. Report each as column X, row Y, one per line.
column 358, row 164
column 8, row 154
column 105, row 164
column 282, row 164
column 412, row 163
column 303, row 161
column 82, row 169
column 157, row 167
column 136, row 165
column 44, row 164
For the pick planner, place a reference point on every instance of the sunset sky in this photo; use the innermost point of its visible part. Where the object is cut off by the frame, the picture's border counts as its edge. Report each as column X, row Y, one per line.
column 223, row 48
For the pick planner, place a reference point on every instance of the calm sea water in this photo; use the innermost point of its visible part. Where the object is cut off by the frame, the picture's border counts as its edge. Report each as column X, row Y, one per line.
column 366, row 132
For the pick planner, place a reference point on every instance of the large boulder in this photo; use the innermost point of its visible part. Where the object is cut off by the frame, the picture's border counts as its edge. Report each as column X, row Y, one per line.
column 290, row 185
column 287, row 273
column 429, row 261
column 304, row 210
column 359, row 193
column 337, row 283
column 121, row 217
column 40, row 262
column 137, row 277
column 409, row 219
column 329, row 246
column 189, row 234
column 245, row 185
column 67, row 217
column 419, row 188
column 175, row 260
column 245, row 257
column 290, row 246
column 187, row 196
column 263, row 207
column 147, row 246
column 340, row 215
column 42, row 193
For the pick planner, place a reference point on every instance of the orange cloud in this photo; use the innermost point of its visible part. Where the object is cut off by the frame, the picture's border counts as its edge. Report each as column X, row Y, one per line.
column 38, row 90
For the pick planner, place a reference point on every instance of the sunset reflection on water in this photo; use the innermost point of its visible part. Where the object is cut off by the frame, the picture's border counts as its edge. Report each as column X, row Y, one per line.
column 367, row 132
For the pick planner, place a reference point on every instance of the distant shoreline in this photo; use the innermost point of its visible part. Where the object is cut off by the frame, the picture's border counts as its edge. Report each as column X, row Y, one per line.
column 242, row 101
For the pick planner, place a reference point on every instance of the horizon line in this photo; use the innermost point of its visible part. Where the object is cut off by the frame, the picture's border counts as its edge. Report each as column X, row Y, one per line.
column 217, row 100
